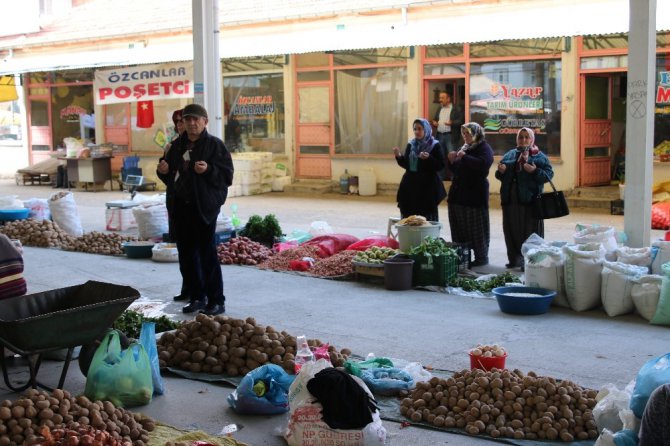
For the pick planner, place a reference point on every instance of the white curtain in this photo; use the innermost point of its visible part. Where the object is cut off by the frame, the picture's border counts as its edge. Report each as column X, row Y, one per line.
column 371, row 110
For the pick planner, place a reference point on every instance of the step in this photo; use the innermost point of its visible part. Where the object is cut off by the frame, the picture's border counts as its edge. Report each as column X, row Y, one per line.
column 303, row 186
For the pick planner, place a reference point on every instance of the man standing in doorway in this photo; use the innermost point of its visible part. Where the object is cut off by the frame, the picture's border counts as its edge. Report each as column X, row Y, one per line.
column 447, row 121
column 199, row 170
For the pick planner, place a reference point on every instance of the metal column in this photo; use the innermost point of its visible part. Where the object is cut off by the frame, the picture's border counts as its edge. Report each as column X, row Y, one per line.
column 640, row 121
column 207, row 62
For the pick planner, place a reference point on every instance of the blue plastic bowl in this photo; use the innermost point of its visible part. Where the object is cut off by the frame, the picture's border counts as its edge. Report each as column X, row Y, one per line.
column 509, row 303
column 138, row 250
column 14, row 214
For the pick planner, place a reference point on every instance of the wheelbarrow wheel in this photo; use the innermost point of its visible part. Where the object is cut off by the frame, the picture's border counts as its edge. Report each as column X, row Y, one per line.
column 88, row 350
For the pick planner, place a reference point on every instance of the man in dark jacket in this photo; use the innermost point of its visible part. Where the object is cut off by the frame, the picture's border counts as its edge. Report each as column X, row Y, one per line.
column 198, row 170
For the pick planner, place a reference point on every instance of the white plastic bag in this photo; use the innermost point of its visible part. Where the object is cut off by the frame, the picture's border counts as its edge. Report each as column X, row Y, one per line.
column 152, row 220
column 611, row 401
column 583, row 265
column 645, row 293
column 38, row 208
column 417, row 372
column 544, row 269
column 319, row 228
column 604, row 235
column 305, row 425
column 65, row 214
column 617, row 281
column 10, row 202
column 164, row 252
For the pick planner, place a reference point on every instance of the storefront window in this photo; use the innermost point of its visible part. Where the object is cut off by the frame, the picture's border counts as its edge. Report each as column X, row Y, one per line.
column 312, row 60
column 263, row 63
column 155, row 129
column 370, row 110
column 605, row 42
column 509, row 95
column 453, row 50
column 598, row 63
column 10, row 109
column 313, row 76
column 71, row 113
column 254, row 109
column 663, row 39
column 371, row 56
column 662, row 108
column 443, row 69
column 527, row 47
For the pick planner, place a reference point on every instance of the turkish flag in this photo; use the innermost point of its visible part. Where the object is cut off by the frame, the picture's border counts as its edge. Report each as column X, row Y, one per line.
column 145, row 114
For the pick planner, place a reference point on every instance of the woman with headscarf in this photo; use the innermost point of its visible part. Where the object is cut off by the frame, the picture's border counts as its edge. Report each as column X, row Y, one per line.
column 421, row 189
column 522, row 172
column 469, row 193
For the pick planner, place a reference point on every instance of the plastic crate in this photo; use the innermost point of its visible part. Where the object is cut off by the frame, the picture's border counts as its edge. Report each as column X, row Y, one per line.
column 224, row 236
column 432, row 270
column 464, row 253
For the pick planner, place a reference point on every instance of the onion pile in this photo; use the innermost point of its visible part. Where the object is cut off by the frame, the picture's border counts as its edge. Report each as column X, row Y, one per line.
column 242, row 251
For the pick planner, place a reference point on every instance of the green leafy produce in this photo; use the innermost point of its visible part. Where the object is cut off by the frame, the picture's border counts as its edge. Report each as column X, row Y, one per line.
column 375, row 255
column 484, row 286
column 130, row 323
column 263, row 230
column 432, row 246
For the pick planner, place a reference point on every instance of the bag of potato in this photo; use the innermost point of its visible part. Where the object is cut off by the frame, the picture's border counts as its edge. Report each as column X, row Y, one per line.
column 65, row 214
column 152, row 220
column 616, row 284
column 582, row 268
column 645, row 293
column 306, row 420
column 120, row 376
column 636, row 256
column 544, row 269
column 605, row 235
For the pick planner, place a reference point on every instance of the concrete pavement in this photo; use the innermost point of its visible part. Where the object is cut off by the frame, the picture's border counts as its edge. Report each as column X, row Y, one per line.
column 433, row 328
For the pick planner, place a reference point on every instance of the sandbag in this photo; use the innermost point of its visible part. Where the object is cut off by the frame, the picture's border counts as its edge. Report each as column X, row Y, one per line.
column 662, row 314
column 306, row 424
column 604, row 235
column 662, row 255
column 616, row 284
column 645, row 293
column 583, row 265
column 544, row 269
column 65, row 214
column 152, row 220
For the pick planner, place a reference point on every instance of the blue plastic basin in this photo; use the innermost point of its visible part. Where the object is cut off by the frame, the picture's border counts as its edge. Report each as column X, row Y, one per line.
column 138, row 250
column 14, row 214
column 509, row 303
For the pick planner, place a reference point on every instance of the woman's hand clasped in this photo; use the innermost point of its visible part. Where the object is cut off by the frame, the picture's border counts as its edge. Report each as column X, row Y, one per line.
column 529, row 168
column 424, row 155
column 396, row 152
column 502, row 167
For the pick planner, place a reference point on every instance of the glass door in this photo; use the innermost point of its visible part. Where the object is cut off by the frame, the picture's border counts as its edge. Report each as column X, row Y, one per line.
column 314, row 130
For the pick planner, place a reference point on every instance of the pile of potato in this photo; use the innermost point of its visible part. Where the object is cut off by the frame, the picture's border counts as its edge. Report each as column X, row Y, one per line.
column 224, row 345
column 23, row 421
column 242, row 251
column 40, row 233
column 98, row 243
column 505, row 403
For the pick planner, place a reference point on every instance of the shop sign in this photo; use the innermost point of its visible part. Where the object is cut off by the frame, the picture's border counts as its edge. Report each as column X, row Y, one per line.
column 515, row 102
column 254, row 105
column 143, row 83
column 71, row 113
column 663, row 90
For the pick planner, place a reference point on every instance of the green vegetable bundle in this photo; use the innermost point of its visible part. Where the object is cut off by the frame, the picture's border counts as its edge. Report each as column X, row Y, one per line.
column 130, row 323
column 484, row 286
column 433, row 246
column 264, row 230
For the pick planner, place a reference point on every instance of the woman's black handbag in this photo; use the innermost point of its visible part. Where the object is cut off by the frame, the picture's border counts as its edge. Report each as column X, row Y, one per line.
column 550, row 204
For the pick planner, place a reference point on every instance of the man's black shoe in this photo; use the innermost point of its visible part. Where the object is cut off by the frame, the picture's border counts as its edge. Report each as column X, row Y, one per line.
column 213, row 310
column 181, row 297
column 194, row 306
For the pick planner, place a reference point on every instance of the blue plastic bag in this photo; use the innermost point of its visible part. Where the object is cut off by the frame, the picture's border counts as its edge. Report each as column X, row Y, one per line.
column 653, row 374
column 148, row 341
column 262, row 391
column 625, row 437
column 387, row 381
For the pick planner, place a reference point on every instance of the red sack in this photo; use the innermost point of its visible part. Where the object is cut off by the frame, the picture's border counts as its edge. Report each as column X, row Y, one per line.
column 299, row 265
column 330, row 244
column 382, row 241
column 322, row 353
column 283, row 246
column 660, row 215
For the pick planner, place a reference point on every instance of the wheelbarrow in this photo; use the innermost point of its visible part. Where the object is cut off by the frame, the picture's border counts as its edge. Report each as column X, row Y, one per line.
column 63, row 318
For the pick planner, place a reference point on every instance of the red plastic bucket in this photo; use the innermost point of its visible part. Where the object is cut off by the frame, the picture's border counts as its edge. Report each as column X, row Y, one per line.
column 487, row 362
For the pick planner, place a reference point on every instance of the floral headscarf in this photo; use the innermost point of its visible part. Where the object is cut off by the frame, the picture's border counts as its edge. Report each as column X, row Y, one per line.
column 477, row 132
column 425, row 144
column 531, row 148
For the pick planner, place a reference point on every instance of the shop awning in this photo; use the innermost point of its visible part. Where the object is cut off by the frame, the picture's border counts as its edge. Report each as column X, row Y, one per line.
column 101, row 58
column 466, row 23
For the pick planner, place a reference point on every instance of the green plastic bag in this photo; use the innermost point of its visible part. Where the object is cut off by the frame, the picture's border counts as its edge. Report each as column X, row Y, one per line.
column 120, row 376
column 356, row 368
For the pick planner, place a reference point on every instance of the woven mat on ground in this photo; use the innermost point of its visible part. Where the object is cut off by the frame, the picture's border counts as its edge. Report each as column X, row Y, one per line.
column 164, row 433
